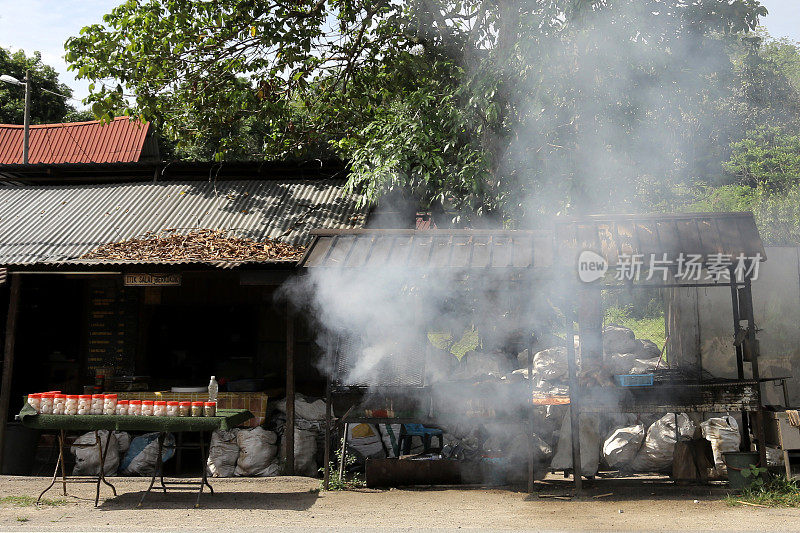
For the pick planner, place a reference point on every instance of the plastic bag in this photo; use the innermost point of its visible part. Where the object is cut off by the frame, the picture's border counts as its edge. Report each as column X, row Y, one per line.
column 366, row 440
column 87, row 459
column 659, row 444
column 723, row 433
column 257, row 450
column 223, row 453
column 143, row 454
column 550, row 364
column 305, row 451
column 621, row 447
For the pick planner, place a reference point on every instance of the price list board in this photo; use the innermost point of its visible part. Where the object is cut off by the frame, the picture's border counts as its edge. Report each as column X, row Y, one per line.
column 112, row 327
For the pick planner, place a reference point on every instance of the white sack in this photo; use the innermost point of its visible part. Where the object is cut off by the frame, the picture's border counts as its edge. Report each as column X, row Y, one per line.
column 305, row 452
column 303, row 408
column 550, row 364
column 257, row 450
column 619, row 339
column 590, row 445
column 87, row 459
column 723, row 433
column 123, row 442
column 621, row 447
column 223, row 452
column 141, row 458
column 366, row 440
column 659, row 444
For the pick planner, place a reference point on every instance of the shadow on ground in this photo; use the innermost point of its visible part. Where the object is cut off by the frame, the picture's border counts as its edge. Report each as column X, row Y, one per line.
column 286, row 501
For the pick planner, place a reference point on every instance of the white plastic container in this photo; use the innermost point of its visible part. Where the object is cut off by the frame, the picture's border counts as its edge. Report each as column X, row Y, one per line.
column 85, row 404
column 159, row 408
column 71, row 405
column 147, row 407
column 173, row 408
column 97, row 404
column 46, row 405
column 59, row 404
column 109, row 404
column 135, row 407
column 35, row 401
column 122, row 407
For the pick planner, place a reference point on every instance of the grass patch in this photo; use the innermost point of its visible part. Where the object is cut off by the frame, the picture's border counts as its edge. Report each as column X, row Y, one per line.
column 29, row 501
column 776, row 492
column 22, row 519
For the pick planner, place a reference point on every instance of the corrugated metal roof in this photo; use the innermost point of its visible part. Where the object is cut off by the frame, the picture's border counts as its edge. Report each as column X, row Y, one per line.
column 119, row 141
column 55, row 224
column 704, row 234
column 458, row 249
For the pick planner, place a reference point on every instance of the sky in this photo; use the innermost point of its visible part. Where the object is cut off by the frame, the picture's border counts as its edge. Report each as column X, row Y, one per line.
column 44, row 25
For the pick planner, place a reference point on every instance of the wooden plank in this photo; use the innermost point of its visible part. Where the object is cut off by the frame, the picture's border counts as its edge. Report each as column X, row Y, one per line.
column 462, row 251
column 360, row 251
column 8, row 358
column 501, row 251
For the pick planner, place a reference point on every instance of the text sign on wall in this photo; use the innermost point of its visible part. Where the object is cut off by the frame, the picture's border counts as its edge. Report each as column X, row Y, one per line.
column 152, row 280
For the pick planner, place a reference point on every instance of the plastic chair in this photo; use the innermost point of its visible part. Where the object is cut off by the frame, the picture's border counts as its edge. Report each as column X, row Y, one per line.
column 426, row 434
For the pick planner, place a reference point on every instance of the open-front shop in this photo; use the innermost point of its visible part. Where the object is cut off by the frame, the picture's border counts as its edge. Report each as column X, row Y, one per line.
column 494, row 348
column 146, row 290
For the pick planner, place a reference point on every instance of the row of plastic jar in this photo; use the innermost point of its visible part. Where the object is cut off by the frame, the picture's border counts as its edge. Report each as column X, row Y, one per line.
column 56, row 403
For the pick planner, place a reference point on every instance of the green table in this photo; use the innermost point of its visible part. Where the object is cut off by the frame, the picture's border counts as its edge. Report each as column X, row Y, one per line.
column 225, row 419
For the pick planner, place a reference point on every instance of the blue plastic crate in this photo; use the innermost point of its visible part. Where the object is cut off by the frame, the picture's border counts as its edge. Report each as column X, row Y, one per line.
column 634, row 380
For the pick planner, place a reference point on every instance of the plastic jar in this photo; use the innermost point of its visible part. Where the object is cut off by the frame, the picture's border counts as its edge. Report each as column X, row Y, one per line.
column 71, row 405
column 147, row 407
column 85, row 404
column 135, row 407
column 122, row 407
column 59, row 403
column 172, row 408
column 159, row 408
column 97, row 404
column 210, row 409
column 35, row 401
column 197, row 408
column 109, row 404
column 46, row 405
column 185, row 409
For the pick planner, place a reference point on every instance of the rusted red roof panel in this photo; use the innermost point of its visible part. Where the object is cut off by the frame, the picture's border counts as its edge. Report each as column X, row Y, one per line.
column 119, row 141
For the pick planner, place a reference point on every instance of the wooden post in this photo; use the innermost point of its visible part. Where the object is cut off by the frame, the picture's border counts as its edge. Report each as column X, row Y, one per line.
column 574, row 405
column 327, row 472
column 8, row 359
column 288, row 433
column 745, row 429
column 529, row 404
column 754, row 354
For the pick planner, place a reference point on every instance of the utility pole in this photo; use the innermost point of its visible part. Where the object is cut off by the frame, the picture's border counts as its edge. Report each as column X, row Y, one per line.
column 27, row 117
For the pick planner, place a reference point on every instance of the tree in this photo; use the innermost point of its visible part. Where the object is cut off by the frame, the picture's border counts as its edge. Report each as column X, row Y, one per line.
column 510, row 109
column 45, row 107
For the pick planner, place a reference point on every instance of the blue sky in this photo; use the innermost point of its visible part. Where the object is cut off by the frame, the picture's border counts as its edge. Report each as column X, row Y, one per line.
column 44, row 25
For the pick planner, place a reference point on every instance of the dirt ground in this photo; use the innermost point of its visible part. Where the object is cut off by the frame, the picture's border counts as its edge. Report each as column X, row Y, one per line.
column 294, row 503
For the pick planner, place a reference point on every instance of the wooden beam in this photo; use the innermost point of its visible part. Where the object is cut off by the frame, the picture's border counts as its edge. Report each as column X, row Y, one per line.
column 288, row 433
column 574, row 402
column 8, row 359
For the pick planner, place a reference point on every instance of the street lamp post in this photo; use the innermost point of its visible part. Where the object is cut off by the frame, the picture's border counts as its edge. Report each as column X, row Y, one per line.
column 27, row 112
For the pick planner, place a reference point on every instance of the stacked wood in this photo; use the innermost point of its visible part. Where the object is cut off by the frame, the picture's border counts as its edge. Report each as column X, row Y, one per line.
column 196, row 245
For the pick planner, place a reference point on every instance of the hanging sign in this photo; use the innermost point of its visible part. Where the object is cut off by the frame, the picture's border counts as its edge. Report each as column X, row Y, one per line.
column 152, row 280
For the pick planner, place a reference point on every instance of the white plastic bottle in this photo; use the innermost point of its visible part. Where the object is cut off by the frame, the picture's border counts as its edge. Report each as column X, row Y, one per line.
column 213, row 389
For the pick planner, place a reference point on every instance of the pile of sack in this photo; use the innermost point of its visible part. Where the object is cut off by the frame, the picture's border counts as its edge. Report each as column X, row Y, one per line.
column 126, row 456
column 243, row 452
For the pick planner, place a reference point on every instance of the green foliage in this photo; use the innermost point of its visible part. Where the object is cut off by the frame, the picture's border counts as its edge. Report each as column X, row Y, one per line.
column 767, row 157
column 341, row 483
column 471, row 105
column 778, row 216
column 45, row 107
column 30, row 501
column 775, row 491
column 650, row 326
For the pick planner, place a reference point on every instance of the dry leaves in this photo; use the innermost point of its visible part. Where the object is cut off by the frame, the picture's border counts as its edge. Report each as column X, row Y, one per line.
column 196, row 245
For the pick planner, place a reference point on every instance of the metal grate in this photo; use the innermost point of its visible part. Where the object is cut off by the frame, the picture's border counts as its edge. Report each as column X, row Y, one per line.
column 355, row 368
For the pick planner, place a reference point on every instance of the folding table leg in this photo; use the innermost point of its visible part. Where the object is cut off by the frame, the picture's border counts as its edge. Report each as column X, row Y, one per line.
column 103, row 451
column 62, row 437
column 157, row 471
column 204, row 476
column 59, row 466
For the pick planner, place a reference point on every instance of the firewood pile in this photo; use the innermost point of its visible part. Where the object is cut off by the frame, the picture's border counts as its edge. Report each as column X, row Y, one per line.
column 197, row 245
